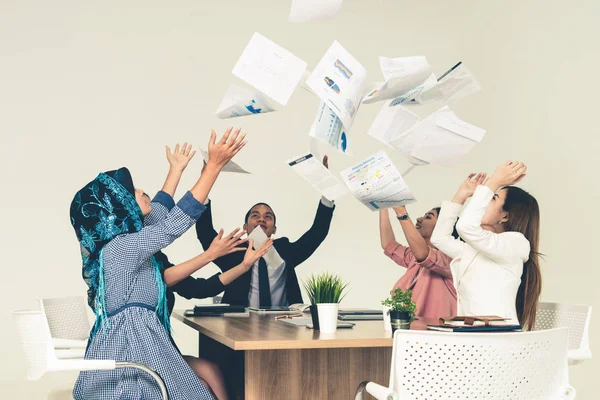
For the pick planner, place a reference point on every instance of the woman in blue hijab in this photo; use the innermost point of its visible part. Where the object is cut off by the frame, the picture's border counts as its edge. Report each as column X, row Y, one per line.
column 119, row 232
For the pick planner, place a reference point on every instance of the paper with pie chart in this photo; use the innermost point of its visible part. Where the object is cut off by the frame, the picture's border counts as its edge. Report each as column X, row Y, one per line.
column 339, row 80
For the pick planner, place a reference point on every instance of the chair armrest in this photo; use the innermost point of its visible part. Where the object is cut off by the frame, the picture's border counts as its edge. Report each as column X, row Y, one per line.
column 381, row 392
column 65, row 354
column 82, row 365
column 577, row 356
column 59, row 343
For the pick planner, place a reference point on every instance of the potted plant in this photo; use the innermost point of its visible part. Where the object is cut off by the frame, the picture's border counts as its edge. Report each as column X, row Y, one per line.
column 325, row 292
column 401, row 308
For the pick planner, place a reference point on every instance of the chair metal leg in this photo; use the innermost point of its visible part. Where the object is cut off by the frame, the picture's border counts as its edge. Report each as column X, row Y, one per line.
column 150, row 371
column 360, row 391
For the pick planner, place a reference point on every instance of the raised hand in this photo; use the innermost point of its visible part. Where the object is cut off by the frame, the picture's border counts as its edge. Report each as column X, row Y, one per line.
column 467, row 188
column 180, row 158
column 223, row 245
column 252, row 255
column 221, row 152
column 507, row 174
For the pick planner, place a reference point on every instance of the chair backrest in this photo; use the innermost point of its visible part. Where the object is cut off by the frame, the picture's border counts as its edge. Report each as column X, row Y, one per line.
column 516, row 365
column 575, row 317
column 35, row 339
column 67, row 317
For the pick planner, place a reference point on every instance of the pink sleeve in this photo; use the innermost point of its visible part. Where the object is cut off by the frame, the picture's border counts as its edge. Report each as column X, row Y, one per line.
column 438, row 263
column 401, row 255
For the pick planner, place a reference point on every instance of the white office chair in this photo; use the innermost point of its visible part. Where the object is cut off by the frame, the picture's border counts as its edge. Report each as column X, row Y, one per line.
column 69, row 325
column 440, row 365
column 40, row 356
column 576, row 318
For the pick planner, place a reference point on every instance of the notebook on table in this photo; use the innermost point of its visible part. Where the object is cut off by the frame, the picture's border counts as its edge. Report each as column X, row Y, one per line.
column 360, row 315
column 215, row 310
column 476, row 328
column 307, row 322
column 478, row 323
column 272, row 310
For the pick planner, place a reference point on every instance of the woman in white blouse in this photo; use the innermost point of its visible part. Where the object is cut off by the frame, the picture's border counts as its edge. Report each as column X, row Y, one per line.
column 496, row 269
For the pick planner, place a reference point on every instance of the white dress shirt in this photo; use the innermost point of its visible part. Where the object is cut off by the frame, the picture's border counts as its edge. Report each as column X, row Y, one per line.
column 277, row 279
column 487, row 266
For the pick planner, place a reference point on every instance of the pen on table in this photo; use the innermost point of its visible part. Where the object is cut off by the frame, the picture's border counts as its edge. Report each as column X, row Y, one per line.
column 288, row 316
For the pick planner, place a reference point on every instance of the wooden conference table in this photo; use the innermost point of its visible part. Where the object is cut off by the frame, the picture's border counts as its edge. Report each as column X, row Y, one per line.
column 262, row 358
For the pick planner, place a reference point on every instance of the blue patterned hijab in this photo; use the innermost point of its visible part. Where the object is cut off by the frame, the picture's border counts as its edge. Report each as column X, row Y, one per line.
column 100, row 211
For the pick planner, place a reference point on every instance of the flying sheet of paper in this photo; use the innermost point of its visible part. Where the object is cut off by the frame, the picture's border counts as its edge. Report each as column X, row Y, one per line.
column 377, row 184
column 443, row 138
column 272, row 257
column 328, row 128
column 239, row 101
column 457, row 83
column 392, row 122
column 402, row 75
column 339, row 81
column 314, row 172
column 229, row 167
column 391, row 127
column 409, row 96
column 269, row 68
column 313, row 10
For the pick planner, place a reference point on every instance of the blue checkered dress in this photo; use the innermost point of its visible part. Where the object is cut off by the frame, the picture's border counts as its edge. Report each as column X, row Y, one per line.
column 135, row 333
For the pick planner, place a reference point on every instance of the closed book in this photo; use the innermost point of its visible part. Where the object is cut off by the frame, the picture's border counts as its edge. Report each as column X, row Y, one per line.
column 203, row 311
column 477, row 328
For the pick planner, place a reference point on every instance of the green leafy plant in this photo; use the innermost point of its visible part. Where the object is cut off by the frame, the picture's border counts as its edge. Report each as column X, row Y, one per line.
column 401, row 301
column 325, row 288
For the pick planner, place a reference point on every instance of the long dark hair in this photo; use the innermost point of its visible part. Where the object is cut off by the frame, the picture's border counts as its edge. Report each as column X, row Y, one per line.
column 524, row 217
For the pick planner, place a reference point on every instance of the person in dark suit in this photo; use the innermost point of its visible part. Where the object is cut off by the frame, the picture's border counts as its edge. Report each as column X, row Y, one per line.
column 262, row 285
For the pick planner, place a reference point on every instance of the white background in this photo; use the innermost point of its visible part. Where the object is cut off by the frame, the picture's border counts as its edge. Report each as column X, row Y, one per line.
column 92, row 86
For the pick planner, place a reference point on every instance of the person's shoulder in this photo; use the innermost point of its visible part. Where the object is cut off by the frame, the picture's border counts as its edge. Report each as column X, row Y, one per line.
column 282, row 241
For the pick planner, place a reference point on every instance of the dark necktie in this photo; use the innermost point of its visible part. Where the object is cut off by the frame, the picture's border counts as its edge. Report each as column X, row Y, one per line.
column 264, row 289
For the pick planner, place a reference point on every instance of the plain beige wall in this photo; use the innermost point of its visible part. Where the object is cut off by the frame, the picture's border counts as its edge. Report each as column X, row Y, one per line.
column 91, row 86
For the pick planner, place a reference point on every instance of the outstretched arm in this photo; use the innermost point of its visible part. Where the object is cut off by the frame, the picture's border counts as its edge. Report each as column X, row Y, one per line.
column 178, row 160
column 499, row 247
column 386, row 233
column 442, row 234
column 417, row 244
column 219, row 247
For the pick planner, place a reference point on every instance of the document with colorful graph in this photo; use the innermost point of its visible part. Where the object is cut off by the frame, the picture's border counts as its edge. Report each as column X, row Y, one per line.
column 239, row 101
column 339, row 80
column 328, row 128
column 377, row 184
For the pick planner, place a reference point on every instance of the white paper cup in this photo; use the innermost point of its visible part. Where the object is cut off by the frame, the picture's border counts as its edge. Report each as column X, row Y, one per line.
column 328, row 317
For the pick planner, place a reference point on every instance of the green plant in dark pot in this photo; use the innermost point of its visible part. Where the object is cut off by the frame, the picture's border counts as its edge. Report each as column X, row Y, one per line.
column 401, row 308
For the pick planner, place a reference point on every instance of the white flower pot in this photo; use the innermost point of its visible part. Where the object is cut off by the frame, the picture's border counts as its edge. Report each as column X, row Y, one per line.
column 328, row 317
column 387, row 324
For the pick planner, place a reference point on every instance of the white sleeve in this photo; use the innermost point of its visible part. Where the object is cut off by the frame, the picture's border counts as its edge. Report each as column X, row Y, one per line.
column 500, row 247
column 442, row 237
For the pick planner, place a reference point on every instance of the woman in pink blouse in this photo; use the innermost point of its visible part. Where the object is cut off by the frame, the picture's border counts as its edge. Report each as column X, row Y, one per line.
column 427, row 269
